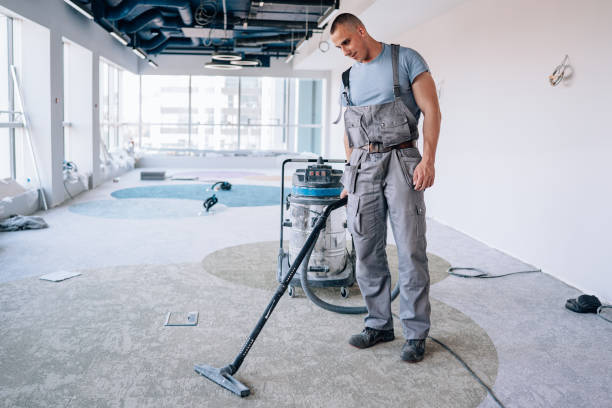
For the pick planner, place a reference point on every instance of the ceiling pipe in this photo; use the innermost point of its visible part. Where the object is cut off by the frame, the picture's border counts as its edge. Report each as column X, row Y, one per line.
column 298, row 25
column 296, row 2
column 150, row 18
column 153, row 42
column 269, row 39
column 176, row 42
column 183, row 7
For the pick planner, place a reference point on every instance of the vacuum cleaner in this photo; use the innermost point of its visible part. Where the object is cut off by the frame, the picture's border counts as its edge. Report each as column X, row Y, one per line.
column 313, row 193
column 329, row 263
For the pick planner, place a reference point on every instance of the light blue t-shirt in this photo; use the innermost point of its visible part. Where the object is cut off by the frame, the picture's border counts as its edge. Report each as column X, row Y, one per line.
column 371, row 83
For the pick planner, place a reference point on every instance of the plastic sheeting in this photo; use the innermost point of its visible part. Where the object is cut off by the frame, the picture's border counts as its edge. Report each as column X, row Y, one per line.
column 14, row 199
column 20, row 222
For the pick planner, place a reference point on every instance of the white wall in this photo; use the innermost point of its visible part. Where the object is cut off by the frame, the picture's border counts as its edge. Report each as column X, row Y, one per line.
column 524, row 166
column 521, row 165
column 78, row 68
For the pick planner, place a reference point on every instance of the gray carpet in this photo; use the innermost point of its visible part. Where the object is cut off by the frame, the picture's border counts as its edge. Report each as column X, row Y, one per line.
column 254, row 265
column 99, row 340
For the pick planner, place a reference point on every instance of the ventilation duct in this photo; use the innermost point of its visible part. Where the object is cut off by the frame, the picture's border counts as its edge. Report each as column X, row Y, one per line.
column 183, row 7
column 153, row 42
column 271, row 39
column 175, row 42
column 151, row 18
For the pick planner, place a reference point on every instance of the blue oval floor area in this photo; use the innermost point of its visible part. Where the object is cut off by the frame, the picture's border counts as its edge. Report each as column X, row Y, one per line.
column 238, row 196
column 138, row 209
column 174, row 201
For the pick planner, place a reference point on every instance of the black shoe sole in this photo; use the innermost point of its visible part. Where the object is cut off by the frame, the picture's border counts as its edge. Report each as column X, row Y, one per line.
column 383, row 340
column 413, row 361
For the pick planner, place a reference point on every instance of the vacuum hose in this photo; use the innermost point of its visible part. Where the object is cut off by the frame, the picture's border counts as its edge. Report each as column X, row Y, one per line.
column 304, row 271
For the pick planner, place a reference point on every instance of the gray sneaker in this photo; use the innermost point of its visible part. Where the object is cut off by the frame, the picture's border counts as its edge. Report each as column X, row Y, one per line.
column 369, row 337
column 413, row 351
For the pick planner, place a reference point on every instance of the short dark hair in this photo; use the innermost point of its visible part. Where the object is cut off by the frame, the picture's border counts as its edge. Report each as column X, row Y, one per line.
column 345, row 18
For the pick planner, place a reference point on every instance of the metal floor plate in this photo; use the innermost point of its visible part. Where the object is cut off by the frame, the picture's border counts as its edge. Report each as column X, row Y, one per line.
column 181, row 319
column 59, row 276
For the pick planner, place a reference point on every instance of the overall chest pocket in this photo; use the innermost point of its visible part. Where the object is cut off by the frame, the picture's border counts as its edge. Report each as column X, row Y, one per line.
column 394, row 124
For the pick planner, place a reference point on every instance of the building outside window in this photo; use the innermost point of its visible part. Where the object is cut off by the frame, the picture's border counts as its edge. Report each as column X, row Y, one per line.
column 181, row 113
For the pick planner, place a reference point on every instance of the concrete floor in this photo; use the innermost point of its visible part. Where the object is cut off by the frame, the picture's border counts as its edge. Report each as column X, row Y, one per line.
column 546, row 355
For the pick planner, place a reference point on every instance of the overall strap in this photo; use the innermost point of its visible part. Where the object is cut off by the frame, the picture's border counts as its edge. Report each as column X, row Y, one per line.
column 345, row 82
column 395, row 65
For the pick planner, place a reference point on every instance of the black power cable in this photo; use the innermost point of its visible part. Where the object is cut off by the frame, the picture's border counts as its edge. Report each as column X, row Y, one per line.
column 210, row 201
column 464, row 364
column 483, row 274
column 223, row 185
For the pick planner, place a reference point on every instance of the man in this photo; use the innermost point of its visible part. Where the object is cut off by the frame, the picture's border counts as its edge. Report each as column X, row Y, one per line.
column 384, row 93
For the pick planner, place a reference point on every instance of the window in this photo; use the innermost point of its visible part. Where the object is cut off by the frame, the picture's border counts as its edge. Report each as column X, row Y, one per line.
column 214, row 110
column 110, row 78
column 165, row 112
column 196, row 113
column 129, row 114
column 8, row 151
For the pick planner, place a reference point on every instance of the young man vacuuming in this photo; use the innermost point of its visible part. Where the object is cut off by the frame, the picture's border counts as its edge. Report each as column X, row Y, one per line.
column 385, row 92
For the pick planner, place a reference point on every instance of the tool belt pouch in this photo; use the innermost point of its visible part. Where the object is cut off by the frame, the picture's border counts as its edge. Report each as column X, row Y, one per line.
column 349, row 177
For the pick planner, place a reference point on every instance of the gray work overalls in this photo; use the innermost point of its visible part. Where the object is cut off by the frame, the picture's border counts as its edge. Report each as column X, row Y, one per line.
column 378, row 184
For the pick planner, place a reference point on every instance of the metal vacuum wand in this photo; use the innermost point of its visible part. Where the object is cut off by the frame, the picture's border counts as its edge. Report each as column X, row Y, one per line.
column 224, row 376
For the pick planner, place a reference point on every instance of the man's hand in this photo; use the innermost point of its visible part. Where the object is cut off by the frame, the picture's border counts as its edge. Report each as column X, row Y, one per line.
column 344, row 193
column 424, row 175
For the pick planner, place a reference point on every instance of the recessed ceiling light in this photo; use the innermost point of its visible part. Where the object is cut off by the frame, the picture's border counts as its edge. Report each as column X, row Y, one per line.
column 227, row 56
column 221, row 65
column 247, row 62
column 79, row 9
column 119, row 38
column 327, row 17
column 140, row 54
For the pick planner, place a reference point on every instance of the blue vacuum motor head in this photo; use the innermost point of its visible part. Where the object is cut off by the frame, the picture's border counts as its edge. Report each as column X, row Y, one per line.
column 318, row 180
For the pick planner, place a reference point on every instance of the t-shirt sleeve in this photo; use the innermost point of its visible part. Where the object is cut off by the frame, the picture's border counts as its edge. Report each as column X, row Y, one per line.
column 413, row 63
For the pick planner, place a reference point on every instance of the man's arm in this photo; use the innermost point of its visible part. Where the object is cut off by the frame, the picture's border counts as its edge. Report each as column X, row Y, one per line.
column 426, row 97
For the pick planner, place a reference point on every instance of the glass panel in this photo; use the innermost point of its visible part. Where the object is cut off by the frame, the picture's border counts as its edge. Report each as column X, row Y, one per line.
column 214, row 110
column 5, row 154
column 4, row 69
column 128, row 134
column 103, row 92
column 262, row 137
column 309, row 139
column 25, row 172
column 214, row 137
column 165, row 102
column 66, row 50
column 128, row 131
column 262, row 101
column 170, row 136
column 5, row 143
column 113, row 108
column 104, row 134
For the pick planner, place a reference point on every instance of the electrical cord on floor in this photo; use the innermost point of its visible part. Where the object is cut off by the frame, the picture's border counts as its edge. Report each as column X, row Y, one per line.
column 602, row 307
column 209, row 202
column 68, row 168
column 464, row 364
column 223, row 185
column 483, row 274
column 68, row 192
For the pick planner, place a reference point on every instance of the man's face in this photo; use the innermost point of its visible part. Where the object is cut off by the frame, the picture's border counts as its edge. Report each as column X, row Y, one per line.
column 351, row 40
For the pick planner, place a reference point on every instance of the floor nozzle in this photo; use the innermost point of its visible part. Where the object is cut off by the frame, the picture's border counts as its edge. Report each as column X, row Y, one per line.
column 222, row 377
